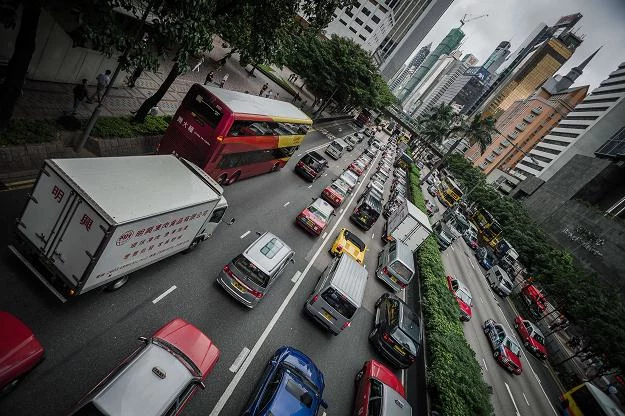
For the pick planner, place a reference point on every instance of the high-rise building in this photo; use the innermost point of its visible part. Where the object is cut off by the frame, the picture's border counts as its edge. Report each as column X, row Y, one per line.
column 536, row 38
column 400, row 79
column 414, row 19
column 494, row 61
column 447, row 45
column 597, row 119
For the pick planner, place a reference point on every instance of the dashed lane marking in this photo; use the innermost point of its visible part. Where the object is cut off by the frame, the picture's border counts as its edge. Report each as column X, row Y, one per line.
column 165, row 293
column 239, row 360
column 244, row 234
column 286, row 204
column 296, row 276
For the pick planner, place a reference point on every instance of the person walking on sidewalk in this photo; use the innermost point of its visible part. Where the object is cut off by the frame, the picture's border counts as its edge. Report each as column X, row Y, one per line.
column 224, row 79
column 277, row 96
column 269, row 94
column 263, row 88
column 103, row 80
column 80, row 93
column 209, row 77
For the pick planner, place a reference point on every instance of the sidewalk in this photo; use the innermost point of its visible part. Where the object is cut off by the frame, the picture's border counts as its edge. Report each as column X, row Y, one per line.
column 48, row 100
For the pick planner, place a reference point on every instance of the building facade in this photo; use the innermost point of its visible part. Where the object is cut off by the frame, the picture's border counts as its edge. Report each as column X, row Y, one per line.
column 401, row 78
column 587, row 127
column 494, row 61
column 367, row 23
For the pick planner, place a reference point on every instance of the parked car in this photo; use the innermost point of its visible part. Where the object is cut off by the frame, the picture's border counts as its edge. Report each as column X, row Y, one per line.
column 311, row 166
column 432, row 190
column 351, row 142
column 533, row 340
column 463, row 297
column 505, row 349
column 20, row 352
column 350, row 178
column 335, row 193
column 430, row 207
column 348, row 242
column 379, row 392
column 397, row 331
column 315, row 217
column 160, row 377
column 291, row 384
column 357, row 167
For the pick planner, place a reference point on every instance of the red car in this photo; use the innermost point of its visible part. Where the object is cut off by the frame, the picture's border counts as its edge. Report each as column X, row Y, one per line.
column 335, row 193
column 160, row 377
column 534, row 299
column 357, row 167
column 379, row 392
column 463, row 297
column 315, row 217
column 505, row 349
column 532, row 338
column 20, row 351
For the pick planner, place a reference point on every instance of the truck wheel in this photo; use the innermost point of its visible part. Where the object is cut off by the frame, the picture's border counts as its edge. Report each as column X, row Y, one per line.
column 113, row 286
column 222, row 178
column 193, row 246
column 10, row 386
column 275, row 167
column 233, row 178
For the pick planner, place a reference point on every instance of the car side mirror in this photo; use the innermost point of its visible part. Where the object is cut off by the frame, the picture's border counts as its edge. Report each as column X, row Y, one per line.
column 324, row 404
column 232, row 220
column 143, row 339
column 201, row 384
column 333, row 213
column 258, row 233
column 291, row 260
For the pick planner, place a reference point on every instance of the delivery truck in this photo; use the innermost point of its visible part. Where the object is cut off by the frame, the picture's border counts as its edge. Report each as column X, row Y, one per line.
column 407, row 224
column 90, row 222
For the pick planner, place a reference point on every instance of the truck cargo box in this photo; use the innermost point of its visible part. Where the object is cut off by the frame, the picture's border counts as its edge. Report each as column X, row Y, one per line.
column 409, row 225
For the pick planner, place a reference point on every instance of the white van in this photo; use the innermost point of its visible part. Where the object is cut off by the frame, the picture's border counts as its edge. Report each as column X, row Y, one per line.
column 338, row 294
column 336, row 148
column 499, row 281
column 396, row 265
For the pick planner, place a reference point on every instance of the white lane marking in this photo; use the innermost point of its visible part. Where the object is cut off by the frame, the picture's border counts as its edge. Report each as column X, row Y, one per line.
column 239, row 360
column 452, row 248
column 471, row 263
column 296, row 276
column 324, row 235
column 261, row 340
column 513, row 402
column 481, row 299
column 299, row 154
column 485, row 366
column 325, row 174
column 244, row 234
column 286, row 203
column 526, row 401
column 165, row 293
column 372, row 235
column 310, row 186
column 340, row 210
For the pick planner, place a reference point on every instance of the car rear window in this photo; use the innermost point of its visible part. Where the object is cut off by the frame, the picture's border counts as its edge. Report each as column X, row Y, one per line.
column 338, row 189
column 354, row 240
column 409, row 324
column 316, row 212
column 400, row 269
column 250, row 270
column 339, row 302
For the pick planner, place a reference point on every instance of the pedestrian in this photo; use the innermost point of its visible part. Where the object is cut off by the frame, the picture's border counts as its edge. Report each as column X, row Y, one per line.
column 269, row 94
column 223, row 80
column 209, row 77
column 103, row 79
column 263, row 88
column 80, row 93
column 277, row 95
column 196, row 68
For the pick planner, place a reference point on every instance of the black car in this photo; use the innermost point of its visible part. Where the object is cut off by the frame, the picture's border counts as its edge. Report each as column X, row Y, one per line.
column 397, row 332
column 311, row 165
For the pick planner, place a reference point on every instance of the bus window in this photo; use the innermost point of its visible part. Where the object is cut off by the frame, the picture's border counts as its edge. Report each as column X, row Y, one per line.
column 204, row 113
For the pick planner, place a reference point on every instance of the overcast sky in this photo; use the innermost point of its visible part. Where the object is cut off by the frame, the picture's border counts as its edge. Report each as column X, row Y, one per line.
column 513, row 20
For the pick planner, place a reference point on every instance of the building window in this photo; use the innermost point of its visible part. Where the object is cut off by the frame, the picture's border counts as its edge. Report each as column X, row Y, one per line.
column 563, row 134
column 375, row 19
column 368, row 29
column 600, row 100
column 349, row 13
column 366, row 11
column 358, row 21
column 555, row 142
column 589, row 118
column 343, row 21
column 352, row 29
column 362, row 37
column 547, row 150
column 585, row 109
column 614, row 91
column 572, row 126
column 531, row 165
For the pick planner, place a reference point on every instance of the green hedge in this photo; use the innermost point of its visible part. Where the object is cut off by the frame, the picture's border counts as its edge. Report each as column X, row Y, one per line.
column 28, row 131
column 107, row 127
column 455, row 382
column 269, row 73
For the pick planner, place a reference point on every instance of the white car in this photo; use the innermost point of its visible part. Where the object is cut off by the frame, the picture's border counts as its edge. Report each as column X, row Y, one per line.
column 378, row 186
column 350, row 178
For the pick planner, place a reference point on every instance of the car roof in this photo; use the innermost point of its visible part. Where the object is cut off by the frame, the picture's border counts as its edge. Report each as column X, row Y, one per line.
column 350, row 278
column 303, row 363
column 393, row 404
column 138, row 390
column 267, row 252
column 322, row 205
column 317, row 156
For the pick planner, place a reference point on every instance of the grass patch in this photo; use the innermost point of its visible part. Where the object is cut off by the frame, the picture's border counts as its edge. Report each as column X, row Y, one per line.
column 108, row 127
column 455, row 382
column 269, row 73
column 29, row 131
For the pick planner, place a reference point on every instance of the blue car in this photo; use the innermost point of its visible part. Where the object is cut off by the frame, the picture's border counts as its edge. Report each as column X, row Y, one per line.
column 290, row 385
column 485, row 258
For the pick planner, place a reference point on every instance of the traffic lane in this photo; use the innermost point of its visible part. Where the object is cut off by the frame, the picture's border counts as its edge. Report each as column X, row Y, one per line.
column 525, row 392
column 60, row 339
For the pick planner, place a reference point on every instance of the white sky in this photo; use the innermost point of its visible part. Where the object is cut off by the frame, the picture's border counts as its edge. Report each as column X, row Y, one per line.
column 603, row 24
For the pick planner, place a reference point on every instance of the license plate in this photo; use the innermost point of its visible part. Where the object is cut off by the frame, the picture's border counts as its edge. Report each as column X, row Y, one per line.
column 399, row 350
column 394, row 279
column 310, row 223
column 327, row 315
column 239, row 287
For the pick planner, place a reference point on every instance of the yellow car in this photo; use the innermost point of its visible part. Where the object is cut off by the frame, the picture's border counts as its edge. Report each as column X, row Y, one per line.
column 347, row 242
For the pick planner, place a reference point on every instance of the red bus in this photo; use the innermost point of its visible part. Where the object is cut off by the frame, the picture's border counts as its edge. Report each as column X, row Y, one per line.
column 363, row 118
column 233, row 135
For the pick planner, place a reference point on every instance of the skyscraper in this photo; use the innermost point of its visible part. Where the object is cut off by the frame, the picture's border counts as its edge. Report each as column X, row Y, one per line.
column 448, row 44
column 494, row 61
column 417, row 19
column 583, row 131
column 400, row 79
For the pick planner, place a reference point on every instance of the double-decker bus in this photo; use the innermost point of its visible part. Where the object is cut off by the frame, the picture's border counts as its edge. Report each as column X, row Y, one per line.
column 450, row 192
column 488, row 229
column 233, row 135
column 588, row 400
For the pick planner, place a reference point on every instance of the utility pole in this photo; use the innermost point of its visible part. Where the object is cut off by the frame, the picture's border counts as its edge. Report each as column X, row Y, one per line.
column 122, row 60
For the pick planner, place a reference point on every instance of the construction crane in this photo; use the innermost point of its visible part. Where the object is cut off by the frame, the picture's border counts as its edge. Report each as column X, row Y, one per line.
column 467, row 19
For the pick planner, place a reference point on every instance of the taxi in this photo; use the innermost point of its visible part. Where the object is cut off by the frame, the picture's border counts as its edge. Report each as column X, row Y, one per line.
column 347, row 242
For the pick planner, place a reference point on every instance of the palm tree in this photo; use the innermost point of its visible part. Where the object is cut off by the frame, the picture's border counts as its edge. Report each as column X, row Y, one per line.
column 478, row 130
column 433, row 127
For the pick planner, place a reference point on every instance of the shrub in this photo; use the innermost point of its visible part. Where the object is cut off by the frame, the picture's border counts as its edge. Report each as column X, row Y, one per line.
column 28, row 131
column 107, row 127
column 454, row 377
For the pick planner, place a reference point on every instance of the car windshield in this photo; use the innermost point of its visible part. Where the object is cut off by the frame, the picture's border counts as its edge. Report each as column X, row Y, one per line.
column 338, row 189
column 313, row 163
column 318, row 213
column 400, row 269
column 409, row 324
column 337, row 146
column 538, row 337
column 250, row 270
column 506, row 283
column 89, row 409
column 354, row 240
column 303, row 377
column 339, row 302
column 347, row 178
column 406, row 341
column 512, row 346
column 464, row 295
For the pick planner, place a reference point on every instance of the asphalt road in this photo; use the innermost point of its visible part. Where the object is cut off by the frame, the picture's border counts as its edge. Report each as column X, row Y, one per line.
column 86, row 337
column 535, row 391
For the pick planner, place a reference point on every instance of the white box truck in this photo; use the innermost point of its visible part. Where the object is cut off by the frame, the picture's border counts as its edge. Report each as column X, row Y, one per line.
column 90, row 222
column 409, row 225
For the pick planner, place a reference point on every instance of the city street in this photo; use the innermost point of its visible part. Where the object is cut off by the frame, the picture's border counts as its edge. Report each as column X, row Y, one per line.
column 86, row 337
column 534, row 392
